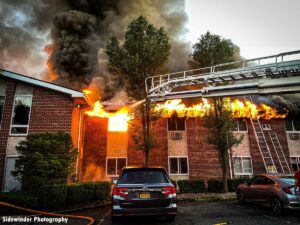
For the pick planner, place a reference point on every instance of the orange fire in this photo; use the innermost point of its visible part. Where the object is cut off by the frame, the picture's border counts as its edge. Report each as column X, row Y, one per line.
column 117, row 121
column 239, row 109
column 49, row 49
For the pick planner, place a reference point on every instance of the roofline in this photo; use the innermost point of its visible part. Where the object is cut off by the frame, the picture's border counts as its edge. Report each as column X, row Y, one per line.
column 45, row 84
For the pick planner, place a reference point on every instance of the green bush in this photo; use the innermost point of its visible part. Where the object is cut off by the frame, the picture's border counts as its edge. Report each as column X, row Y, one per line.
column 53, row 196
column 102, row 191
column 215, row 186
column 76, row 194
column 232, row 184
column 45, row 159
column 20, row 199
column 191, row 186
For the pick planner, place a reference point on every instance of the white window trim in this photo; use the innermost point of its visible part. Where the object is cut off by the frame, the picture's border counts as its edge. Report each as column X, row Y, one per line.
column 12, row 114
column 107, row 158
column 295, row 156
column 292, row 131
column 4, row 171
column 1, row 116
column 242, row 165
column 241, row 131
column 179, row 174
column 176, row 130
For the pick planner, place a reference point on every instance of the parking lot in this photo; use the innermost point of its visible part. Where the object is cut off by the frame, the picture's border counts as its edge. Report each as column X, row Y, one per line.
column 208, row 213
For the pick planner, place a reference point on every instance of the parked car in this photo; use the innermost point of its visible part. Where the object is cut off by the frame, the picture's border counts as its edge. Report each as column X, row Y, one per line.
column 274, row 190
column 141, row 191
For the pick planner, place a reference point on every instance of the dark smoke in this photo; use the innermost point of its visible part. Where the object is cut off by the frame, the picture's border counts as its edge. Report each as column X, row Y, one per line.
column 79, row 30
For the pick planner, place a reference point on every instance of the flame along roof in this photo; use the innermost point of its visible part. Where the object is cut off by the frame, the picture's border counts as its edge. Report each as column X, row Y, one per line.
column 41, row 83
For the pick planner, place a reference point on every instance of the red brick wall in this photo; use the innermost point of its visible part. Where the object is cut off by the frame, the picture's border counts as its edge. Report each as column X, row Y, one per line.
column 6, row 118
column 51, row 111
column 159, row 150
column 204, row 160
column 94, row 149
column 277, row 125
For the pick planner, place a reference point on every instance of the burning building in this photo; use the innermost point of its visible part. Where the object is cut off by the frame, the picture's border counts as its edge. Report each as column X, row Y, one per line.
column 106, row 134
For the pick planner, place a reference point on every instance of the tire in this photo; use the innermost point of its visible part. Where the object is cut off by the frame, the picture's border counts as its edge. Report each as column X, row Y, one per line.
column 276, row 206
column 171, row 218
column 240, row 198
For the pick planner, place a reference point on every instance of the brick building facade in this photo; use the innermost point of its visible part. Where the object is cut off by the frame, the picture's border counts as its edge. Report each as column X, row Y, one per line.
column 177, row 144
column 30, row 106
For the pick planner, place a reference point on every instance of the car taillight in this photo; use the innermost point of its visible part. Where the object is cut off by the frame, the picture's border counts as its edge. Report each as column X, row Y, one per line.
column 288, row 190
column 123, row 192
column 169, row 190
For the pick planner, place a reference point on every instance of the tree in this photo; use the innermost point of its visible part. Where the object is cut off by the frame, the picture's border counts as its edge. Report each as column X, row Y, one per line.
column 145, row 53
column 45, row 159
column 211, row 50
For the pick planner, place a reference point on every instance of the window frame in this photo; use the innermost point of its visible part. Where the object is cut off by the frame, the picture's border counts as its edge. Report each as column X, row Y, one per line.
column 179, row 165
column 293, row 128
column 238, row 128
column 1, row 116
column 12, row 115
column 266, row 126
column 176, row 130
column 243, row 171
column 4, row 171
column 297, row 161
column 116, row 165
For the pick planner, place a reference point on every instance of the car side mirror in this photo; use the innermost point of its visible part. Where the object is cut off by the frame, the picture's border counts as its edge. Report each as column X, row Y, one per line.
column 115, row 181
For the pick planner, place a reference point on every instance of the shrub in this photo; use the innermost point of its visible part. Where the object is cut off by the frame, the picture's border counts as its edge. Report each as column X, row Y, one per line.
column 102, row 191
column 53, row 196
column 22, row 199
column 191, row 186
column 76, row 194
column 215, row 186
column 232, row 184
column 45, row 159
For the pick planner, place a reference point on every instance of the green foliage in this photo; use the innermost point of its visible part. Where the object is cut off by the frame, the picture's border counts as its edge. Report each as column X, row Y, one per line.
column 53, row 196
column 45, row 159
column 211, row 50
column 191, row 186
column 20, row 199
column 216, row 186
column 144, row 53
column 57, row 196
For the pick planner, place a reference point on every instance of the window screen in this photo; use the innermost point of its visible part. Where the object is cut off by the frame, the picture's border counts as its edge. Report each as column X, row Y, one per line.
column 176, row 124
column 242, row 166
column 21, row 113
column 115, row 165
column 178, row 165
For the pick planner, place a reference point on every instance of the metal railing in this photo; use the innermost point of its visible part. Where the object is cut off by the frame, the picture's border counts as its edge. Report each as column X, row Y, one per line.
column 280, row 64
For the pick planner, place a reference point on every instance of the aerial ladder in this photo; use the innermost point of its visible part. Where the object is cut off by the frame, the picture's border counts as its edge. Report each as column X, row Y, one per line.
column 260, row 76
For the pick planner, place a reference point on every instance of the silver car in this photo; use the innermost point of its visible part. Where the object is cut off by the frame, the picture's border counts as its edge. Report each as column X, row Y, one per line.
column 275, row 190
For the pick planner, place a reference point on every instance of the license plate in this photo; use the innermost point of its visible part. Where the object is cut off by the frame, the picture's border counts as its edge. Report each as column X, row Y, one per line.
column 145, row 195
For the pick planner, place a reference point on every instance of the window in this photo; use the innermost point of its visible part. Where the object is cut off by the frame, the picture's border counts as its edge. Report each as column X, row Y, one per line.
column 240, row 125
column 115, row 165
column 266, row 126
column 295, row 161
column 144, row 175
column 10, row 182
column 242, row 166
column 176, row 124
column 261, row 180
column 2, row 98
column 178, row 165
column 292, row 125
column 21, row 113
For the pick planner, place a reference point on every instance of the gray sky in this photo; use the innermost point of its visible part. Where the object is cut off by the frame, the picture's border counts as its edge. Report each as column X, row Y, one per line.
column 258, row 27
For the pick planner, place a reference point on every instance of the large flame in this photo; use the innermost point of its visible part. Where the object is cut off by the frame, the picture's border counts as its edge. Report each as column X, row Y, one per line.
column 117, row 121
column 239, row 109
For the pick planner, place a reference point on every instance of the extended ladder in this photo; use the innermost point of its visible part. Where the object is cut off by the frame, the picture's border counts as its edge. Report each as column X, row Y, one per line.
column 280, row 154
column 262, row 144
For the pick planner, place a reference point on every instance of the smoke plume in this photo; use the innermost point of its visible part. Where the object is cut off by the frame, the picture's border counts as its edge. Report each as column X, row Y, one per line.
column 79, row 31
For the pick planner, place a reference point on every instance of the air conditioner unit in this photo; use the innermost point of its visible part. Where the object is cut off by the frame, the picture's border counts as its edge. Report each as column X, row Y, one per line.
column 294, row 136
column 176, row 135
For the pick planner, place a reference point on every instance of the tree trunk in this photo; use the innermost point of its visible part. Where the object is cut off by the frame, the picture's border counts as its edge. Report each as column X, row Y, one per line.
column 146, row 130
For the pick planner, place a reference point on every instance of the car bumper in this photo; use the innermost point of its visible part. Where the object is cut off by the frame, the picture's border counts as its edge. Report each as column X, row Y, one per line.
column 170, row 210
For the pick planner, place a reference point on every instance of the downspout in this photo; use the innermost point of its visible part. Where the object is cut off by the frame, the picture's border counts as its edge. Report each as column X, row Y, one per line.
column 78, row 142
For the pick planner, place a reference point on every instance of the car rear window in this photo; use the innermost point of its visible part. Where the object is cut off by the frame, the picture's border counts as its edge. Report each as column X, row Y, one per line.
column 142, row 176
column 288, row 180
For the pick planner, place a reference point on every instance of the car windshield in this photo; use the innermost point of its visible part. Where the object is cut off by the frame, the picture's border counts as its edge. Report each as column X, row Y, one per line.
column 143, row 176
column 289, row 180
